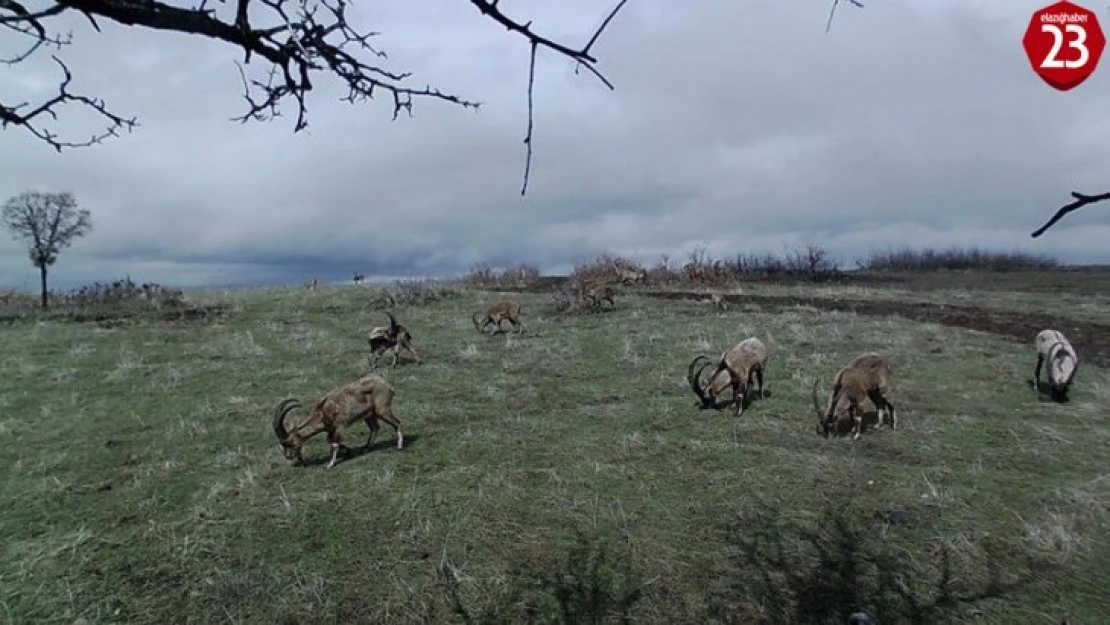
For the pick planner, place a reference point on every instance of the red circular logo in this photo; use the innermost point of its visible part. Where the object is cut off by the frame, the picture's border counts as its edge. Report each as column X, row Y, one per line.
column 1064, row 42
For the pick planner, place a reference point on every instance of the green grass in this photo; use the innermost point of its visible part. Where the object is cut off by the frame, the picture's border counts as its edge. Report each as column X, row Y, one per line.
column 563, row 475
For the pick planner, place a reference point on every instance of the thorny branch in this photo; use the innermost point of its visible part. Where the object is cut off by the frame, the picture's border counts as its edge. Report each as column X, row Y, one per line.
column 299, row 40
column 582, row 56
column 1081, row 200
column 832, row 11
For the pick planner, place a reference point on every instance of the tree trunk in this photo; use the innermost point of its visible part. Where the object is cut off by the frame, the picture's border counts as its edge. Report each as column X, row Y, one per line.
column 42, row 274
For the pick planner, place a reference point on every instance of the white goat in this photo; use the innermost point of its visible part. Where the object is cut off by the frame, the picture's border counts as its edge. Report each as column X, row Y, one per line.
column 1063, row 362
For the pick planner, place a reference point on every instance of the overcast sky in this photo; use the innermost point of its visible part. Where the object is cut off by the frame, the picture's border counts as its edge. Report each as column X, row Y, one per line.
column 740, row 126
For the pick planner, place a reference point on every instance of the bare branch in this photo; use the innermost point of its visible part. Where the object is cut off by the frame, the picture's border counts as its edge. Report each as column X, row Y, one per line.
column 313, row 38
column 581, row 56
column 12, row 115
column 528, row 136
column 1081, row 200
column 832, row 12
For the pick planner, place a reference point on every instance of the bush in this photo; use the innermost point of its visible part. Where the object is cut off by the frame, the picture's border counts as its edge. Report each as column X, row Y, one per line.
column 809, row 263
column 121, row 298
column 485, row 277
column 419, row 291
column 954, row 259
column 609, row 268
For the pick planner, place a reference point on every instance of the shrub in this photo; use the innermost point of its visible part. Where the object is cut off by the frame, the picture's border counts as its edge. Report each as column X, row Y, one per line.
column 954, row 259
column 485, row 277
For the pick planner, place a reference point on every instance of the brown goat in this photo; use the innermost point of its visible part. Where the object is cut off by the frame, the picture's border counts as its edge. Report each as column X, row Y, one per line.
column 738, row 367
column 507, row 310
column 594, row 294
column 867, row 376
column 391, row 339
column 368, row 399
column 631, row 275
column 716, row 300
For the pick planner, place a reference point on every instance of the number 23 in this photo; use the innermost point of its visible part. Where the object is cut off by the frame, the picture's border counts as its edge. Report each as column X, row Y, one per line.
column 1078, row 43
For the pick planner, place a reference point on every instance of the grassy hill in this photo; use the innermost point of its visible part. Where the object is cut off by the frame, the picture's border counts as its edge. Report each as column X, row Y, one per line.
column 560, row 475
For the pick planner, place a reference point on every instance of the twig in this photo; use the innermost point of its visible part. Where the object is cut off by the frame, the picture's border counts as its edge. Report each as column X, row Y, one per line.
column 528, row 136
column 311, row 39
column 1081, row 200
column 832, row 12
column 582, row 58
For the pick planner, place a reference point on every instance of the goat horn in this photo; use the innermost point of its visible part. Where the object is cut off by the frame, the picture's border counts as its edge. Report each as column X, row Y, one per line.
column 280, row 411
column 693, row 378
column 817, row 404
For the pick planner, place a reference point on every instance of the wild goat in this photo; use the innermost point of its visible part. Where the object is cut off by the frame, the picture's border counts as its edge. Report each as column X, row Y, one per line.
column 737, row 368
column 716, row 300
column 310, row 286
column 501, row 311
column 594, row 294
column 368, row 399
column 392, row 339
column 1063, row 362
column 867, row 376
column 359, row 278
column 631, row 275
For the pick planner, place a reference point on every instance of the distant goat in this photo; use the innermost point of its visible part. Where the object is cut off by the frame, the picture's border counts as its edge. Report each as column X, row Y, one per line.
column 1053, row 347
column 594, row 294
column 507, row 310
column 368, row 399
column 311, row 285
column 867, row 376
column 716, row 300
column 359, row 278
column 738, row 367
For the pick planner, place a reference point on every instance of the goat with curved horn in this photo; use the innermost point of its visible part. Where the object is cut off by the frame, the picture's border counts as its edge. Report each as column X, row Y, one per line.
column 1054, row 350
column 741, row 367
column 368, row 399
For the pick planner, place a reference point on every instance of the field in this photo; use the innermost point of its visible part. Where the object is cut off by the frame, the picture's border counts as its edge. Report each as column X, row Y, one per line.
column 560, row 475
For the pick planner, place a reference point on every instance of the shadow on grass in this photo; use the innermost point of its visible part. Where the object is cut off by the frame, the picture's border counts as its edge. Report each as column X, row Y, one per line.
column 749, row 400
column 844, row 567
column 870, row 424
column 384, row 443
column 590, row 586
column 1044, row 391
column 763, row 570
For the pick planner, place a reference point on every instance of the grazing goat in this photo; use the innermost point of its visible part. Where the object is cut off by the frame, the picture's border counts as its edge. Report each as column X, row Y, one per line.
column 737, row 367
column 716, row 300
column 359, row 278
column 867, row 376
column 594, row 294
column 368, row 399
column 505, row 310
column 392, row 339
column 631, row 275
column 1053, row 347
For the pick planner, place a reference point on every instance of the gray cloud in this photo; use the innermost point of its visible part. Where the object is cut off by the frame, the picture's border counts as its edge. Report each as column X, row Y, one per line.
column 738, row 126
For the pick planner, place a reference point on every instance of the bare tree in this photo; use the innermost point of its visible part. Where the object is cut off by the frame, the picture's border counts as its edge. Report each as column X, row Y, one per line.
column 48, row 223
column 298, row 40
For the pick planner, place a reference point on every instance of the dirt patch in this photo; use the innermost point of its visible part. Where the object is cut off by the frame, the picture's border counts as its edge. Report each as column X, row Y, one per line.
column 1091, row 340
